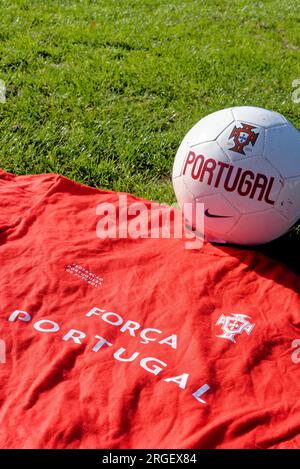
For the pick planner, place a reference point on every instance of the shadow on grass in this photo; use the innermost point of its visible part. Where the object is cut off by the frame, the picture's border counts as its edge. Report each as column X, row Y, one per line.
column 278, row 261
column 284, row 249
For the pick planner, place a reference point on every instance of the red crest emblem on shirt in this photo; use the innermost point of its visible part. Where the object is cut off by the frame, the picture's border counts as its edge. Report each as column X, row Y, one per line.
column 243, row 136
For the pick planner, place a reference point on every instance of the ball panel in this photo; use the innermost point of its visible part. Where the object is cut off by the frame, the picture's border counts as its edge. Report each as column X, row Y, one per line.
column 258, row 228
column 288, row 201
column 182, row 192
column 220, row 215
column 184, row 196
column 181, row 154
column 209, row 127
column 258, row 116
column 262, row 182
column 193, row 167
column 282, row 149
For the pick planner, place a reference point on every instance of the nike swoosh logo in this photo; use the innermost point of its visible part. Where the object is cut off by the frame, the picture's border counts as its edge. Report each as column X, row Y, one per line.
column 211, row 215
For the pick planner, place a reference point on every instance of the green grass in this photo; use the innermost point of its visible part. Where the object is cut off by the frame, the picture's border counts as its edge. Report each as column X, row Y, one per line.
column 104, row 91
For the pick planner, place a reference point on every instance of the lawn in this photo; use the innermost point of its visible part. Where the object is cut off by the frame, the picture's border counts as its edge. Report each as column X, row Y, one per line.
column 104, row 91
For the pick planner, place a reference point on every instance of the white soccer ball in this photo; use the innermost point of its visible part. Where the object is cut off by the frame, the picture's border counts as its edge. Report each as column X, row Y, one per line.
column 243, row 163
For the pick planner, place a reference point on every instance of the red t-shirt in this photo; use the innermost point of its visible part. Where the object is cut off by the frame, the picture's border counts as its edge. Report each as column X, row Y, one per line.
column 137, row 343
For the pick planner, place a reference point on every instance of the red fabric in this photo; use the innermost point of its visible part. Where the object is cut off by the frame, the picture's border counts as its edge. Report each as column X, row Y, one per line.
column 56, row 393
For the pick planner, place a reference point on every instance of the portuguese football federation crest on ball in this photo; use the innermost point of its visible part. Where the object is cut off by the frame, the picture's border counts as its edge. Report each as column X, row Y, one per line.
column 243, row 164
column 242, row 137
